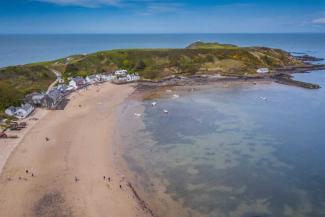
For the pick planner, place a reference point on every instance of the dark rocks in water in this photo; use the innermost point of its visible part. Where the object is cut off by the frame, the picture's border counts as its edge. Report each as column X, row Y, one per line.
column 227, row 161
column 210, row 153
column 298, row 53
column 283, row 78
column 255, row 215
column 308, row 58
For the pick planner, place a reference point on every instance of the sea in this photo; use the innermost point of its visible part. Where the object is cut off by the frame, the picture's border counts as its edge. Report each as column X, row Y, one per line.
column 22, row 49
column 230, row 150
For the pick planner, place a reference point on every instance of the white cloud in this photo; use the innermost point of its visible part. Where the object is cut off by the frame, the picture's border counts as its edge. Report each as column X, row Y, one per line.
column 156, row 8
column 148, row 6
column 83, row 3
column 319, row 21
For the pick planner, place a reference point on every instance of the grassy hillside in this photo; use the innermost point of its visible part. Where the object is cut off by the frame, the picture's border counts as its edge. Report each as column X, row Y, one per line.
column 211, row 45
column 17, row 81
column 199, row 57
column 196, row 58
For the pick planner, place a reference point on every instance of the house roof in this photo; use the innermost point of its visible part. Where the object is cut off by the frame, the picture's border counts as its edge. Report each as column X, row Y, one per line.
column 27, row 106
column 54, row 94
column 78, row 79
column 12, row 108
column 92, row 76
column 62, row 87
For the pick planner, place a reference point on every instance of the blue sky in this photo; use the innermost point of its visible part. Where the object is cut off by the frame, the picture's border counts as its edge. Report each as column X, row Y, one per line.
column 161, row 16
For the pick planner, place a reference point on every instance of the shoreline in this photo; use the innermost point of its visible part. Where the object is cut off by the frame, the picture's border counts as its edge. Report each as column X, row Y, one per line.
column 151, row 190
column 66, row 174
column 92, row 105
column 154, row 191
column 281, row 75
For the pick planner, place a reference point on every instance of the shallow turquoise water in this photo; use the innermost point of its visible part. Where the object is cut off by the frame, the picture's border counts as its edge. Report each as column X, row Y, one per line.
column 226, row 152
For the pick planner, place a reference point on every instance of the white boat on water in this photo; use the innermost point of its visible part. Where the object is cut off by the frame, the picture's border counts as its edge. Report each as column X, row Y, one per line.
column 175, row 96
column 153, row 104
column 137, row 114
column 165, row 111
column 263, row 98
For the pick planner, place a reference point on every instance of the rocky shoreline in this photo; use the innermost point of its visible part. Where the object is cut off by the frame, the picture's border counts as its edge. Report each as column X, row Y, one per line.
column 308, row 58
column 280, row 75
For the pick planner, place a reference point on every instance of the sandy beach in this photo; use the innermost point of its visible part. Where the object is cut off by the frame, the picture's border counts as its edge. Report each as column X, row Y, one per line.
column 7, row 146
column 65, row 174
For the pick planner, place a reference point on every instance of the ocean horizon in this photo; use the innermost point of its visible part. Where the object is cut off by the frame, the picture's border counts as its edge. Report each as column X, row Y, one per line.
column 18, row 49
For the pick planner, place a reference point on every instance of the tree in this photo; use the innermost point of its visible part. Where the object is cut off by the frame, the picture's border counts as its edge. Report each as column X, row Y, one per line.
column 140, row 65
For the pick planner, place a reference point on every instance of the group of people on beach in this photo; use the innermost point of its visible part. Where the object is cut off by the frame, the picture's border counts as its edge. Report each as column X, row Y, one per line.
column 76, row 179
column 105, row 178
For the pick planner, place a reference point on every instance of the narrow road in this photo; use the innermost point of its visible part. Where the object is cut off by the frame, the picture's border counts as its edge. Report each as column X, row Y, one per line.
column 58, row 78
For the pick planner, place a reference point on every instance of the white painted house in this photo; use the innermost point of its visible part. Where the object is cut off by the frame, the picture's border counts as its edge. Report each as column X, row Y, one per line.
column 107, row 77
column 24, row 111
column 77, row 82
column 92, row 79
column 132, row 77
column 121, row 72
column 263, row 70
column 11, row 111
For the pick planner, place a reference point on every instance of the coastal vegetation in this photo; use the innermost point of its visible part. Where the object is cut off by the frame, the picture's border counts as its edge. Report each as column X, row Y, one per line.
column 17, row 81
column 150, row 64
column 198, row 58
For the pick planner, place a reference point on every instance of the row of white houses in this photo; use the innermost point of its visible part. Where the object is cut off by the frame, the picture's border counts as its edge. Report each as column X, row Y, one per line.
column 119, row 75
column 55, row 96
column 20, row 112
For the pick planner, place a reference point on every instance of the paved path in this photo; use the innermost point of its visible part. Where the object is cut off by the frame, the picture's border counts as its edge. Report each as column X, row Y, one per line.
column 58, row 78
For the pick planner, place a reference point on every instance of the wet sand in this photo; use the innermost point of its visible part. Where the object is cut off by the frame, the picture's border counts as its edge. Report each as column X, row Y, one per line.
column 152, row 189
column 65, row 174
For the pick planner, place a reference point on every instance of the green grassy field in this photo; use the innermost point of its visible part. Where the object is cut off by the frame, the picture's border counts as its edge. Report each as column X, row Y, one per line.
column 197, row 58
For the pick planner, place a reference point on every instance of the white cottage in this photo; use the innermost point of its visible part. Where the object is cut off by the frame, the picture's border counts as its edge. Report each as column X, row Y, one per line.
column 107, row 77
column 132, row 77
column 24, row 111
column 92, row 79
column 77, row 82
column 121, row 72
column 11, row 111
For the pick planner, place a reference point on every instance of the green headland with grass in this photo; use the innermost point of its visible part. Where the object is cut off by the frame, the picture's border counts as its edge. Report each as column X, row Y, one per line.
column 152, row 64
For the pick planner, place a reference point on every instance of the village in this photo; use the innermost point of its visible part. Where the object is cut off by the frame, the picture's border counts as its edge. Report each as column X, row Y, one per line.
column 55, row 97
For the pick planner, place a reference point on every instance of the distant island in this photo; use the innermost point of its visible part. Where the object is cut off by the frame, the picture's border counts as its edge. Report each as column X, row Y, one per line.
column 155, row 65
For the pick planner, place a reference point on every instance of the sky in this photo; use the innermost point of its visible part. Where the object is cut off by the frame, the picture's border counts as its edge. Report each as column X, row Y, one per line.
column 161, row 16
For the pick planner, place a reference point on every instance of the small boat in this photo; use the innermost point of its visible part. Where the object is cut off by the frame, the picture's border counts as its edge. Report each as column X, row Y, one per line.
column 137, row 115
column 153, row 104
column 175, row 96
column 263, row 98
column 165, row 111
